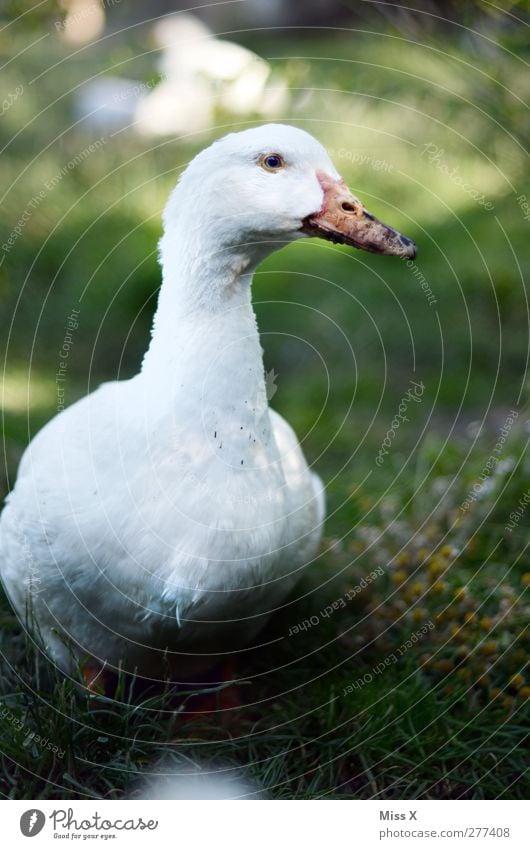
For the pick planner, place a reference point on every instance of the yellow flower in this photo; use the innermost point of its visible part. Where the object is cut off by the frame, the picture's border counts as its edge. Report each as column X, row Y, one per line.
column 419, row 614
column 495, row 691
column 438, row 587
column 436, row 567
column 403, row 558
column 469, row 617
column 489, row 647
column 460, row 594
column 516, row 681
column 399, row 577
column 446, row 550
column 526, row 579
column 524, row 692
column 487, row 623
column 422, row 554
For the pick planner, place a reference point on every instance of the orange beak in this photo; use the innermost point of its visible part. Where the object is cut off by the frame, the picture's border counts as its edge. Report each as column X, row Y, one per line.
column 344, row 219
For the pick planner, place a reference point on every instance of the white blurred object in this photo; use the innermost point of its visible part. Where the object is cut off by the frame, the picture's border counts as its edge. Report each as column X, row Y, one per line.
column 171, row 109
column 200, row 73
column 191, row 781
column 110, row 102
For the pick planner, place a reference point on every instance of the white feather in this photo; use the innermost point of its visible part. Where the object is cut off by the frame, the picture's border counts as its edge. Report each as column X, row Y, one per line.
column 170, row 514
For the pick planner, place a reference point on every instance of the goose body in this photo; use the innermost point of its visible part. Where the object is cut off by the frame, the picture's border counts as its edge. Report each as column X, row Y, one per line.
column 160, row 520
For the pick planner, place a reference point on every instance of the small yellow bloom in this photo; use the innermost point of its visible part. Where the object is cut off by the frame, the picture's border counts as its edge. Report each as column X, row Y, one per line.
column 495, row 692
column 422, row 554
column 516, row 681
column 489, row 647
column 524, row 692
column 469, row 617
column 438, row 586
column 460, row 594
column 526, row 579
column 403, row 558
column 486, row 622
column 446, row 550
column 399, row 577
column 436, row 567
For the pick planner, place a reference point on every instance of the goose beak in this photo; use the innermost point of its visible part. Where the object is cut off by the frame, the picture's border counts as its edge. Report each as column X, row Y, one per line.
column 344, row 219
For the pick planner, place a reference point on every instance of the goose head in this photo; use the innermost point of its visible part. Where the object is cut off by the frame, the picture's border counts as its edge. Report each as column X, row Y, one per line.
column 274, row 184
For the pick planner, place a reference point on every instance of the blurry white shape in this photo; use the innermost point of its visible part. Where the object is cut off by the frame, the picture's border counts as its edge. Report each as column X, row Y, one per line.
column 200, row 74
column 191, row 781
column 170, row 109
column 474, row 429
column 110, row 102
column 84, row 21
column 504, row 466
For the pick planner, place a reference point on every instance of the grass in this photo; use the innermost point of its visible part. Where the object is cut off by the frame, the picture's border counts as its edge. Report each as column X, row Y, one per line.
column 328, row 711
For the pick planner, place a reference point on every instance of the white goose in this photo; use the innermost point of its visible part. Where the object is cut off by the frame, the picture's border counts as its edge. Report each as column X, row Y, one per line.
column 158, row 521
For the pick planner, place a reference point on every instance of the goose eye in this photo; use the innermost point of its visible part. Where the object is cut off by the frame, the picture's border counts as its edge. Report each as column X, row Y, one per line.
column 272, row 162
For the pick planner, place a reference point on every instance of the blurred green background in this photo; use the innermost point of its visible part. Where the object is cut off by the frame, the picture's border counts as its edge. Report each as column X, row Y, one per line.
column 424, row 113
